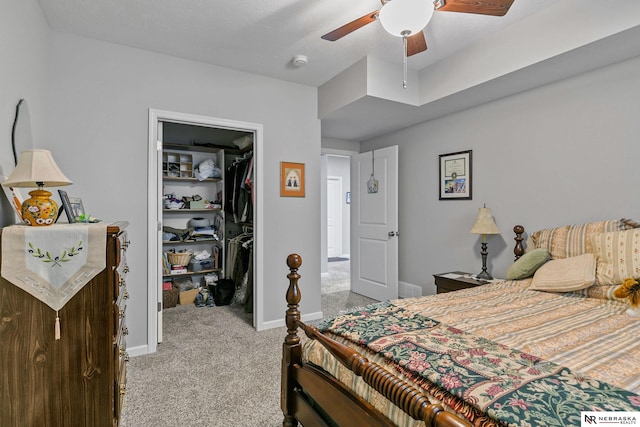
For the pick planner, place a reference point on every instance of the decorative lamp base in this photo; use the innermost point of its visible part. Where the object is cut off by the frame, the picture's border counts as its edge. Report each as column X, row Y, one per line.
column 39, row 209
column 484, row 275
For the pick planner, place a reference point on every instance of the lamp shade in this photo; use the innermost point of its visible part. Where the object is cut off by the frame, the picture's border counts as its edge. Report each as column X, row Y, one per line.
column 405, row 17
column 34, row 167
column 484, row 223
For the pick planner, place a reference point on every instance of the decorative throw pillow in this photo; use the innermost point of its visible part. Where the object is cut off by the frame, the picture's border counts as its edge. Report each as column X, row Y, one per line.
column 565, row 275
column 573, row 240
column 527, row 264
column 618, row 256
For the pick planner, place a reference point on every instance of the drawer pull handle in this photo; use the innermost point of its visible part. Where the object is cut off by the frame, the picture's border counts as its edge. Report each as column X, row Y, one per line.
column 125, row 331
column 123, row 351
column 122, row 313
column 123, row 390
column 126, row 268
column 126, row 358
column 126, row 295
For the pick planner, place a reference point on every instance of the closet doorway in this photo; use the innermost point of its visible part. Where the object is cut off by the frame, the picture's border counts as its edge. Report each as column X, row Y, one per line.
column 235, row 144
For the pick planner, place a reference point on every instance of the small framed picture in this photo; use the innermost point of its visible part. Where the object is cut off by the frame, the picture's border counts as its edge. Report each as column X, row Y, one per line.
column 455, row 176
column 291, row 179
column 72, row 206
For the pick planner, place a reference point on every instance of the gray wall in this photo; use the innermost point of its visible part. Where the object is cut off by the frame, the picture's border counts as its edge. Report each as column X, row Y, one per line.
column 564, row 153
column 24, row 43
column 94, row 111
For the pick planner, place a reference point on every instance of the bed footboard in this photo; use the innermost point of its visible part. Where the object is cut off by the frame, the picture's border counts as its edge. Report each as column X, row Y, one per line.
column 312, row 397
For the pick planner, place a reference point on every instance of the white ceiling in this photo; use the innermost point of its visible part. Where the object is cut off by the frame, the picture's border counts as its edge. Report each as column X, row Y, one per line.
column 261, row 37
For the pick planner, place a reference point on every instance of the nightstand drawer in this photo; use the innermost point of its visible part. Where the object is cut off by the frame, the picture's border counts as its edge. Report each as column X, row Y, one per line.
column 455, row 281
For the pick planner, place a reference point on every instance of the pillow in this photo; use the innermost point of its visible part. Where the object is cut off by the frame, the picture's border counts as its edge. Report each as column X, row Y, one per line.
column 573, row 240
column 565, row 275
column 527, row 264
column 618, row 256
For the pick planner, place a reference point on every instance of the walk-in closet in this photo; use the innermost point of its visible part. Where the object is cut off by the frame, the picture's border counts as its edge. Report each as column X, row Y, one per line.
column 208, row 203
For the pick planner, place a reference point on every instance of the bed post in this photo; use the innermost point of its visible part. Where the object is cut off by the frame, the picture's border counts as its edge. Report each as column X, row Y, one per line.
column 291, row 349
column 519, row 249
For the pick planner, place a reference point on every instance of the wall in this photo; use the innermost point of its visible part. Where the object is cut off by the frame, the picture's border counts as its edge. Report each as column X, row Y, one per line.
column 560, row 154
column 24, row 44
column 100, row 96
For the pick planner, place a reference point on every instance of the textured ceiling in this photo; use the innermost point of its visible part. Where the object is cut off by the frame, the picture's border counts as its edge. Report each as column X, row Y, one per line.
column 261, row 37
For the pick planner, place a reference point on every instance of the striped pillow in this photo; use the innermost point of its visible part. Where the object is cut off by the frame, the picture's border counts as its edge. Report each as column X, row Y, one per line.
column 618, row 256
column 573, row 240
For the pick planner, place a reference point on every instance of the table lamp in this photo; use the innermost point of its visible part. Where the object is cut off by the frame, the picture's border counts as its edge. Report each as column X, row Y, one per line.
column 484, row 225
column 36, row 168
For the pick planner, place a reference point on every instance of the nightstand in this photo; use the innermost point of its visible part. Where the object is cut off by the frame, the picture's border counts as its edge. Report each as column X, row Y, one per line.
column 454, row 281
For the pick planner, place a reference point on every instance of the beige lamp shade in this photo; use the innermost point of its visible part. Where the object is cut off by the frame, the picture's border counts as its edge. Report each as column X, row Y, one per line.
column 484, row 223
column 34, row 168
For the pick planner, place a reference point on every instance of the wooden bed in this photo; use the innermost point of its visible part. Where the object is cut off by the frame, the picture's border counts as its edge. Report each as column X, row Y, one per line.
column 313, row 396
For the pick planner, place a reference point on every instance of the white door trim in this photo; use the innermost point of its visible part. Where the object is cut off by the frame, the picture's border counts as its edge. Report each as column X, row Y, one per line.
column 153, row 267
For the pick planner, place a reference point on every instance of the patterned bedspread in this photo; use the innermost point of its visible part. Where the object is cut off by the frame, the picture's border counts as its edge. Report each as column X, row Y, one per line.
column 500, row 354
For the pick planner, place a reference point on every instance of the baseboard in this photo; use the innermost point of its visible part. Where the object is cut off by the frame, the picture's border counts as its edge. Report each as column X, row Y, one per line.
column 140, row 350
column 407, row 290
column 281, row 322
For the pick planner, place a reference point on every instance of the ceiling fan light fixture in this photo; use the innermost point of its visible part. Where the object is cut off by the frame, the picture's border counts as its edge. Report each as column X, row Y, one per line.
column 402, row 18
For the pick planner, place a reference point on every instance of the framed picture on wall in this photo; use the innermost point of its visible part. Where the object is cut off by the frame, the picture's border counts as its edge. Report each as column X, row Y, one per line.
column 455, row 176
column 291, row 179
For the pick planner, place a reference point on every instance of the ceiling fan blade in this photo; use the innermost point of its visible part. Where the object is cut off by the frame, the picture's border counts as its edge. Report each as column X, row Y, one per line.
column 416, row 43
column 481, row 7
column 338, row 33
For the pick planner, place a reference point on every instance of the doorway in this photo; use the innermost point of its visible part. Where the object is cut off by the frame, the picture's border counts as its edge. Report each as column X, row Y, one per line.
column 336, row 223
column 157, row 120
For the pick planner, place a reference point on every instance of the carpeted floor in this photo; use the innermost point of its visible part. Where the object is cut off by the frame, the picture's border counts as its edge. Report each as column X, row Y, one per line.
column 214, row 369
column 338, row 277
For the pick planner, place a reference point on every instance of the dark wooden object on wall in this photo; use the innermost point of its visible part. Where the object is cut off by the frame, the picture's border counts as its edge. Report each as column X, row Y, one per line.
column 78, row 380
column 305, row 387
column 518, row 250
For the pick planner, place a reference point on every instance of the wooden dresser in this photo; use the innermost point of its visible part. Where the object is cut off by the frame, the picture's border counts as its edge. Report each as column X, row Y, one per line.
column 80, row 379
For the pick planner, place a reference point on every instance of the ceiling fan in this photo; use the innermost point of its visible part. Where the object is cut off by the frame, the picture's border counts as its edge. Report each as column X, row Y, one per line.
column 414, row 38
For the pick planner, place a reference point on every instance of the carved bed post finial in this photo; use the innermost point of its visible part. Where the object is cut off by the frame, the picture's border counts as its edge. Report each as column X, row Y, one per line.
column 519, row 249
column 294, row 261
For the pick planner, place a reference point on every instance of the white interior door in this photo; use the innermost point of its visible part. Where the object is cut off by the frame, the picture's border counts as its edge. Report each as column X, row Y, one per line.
column 374, row 224
column 334, row 216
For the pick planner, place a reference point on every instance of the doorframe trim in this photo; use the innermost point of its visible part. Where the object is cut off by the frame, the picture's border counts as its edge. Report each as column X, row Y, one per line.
column 153, row 263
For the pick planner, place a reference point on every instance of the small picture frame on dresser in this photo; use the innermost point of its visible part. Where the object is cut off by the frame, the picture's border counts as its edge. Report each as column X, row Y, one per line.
column 72, row 206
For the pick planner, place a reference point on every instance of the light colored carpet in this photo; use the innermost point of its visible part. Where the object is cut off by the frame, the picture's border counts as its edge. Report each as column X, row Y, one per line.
column 338, row 277
column 213, row 369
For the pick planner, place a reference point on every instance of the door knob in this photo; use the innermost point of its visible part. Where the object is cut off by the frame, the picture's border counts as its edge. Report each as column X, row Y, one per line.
column 391, row 234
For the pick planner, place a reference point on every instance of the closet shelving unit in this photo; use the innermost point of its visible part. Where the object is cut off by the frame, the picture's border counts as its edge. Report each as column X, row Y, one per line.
column 179, row 169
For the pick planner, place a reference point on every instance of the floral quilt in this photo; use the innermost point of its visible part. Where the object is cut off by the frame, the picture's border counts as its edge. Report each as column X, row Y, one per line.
column 508, row 385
